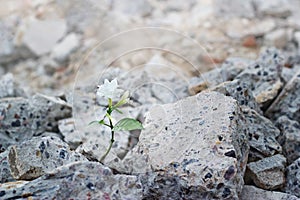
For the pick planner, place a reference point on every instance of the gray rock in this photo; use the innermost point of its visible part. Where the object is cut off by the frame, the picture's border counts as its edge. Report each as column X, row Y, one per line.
column 297, row 37
column 265, row 75
column 234, row 8
column 267, row 173
column 41, row 35
column 289, row 138
column 250, row 192
column 277, row 38
column 35, row 157
column 262, row 134
column 8, row 87
column 48, row 111
column 288, row 73
column 276, row 8
column 240, row 91
column 141, row 8
column 4, row 168
column 228, row 71
column 195, row 147
column 22, row 118
column 288, row 101
column 79, row 180
column 62, row 50
column 293, row 178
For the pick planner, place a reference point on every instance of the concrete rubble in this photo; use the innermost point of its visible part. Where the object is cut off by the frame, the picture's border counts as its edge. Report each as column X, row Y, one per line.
column 214, row 82
column 267, row 173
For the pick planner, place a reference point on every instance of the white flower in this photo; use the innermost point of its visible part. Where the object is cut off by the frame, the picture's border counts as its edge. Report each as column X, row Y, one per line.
column 109, row 90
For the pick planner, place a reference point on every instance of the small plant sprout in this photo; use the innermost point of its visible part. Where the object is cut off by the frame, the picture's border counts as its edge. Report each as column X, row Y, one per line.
column 111, row 92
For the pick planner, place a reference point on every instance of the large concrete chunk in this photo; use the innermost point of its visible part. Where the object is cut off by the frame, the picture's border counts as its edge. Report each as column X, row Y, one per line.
column 265, row 75
column 293, row 178
column 267, row 173
column 289, row 138
column 250, row 192
column 197, row 144
column 37, row 156
column 79, row 180
column 288, row 101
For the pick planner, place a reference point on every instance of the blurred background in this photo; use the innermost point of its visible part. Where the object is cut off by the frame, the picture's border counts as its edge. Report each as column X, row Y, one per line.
column 43, row 42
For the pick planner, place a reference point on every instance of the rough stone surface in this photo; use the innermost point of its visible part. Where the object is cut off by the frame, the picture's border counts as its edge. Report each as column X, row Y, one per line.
column 276, row 8
column 8, row 87
column 250, row 192
column 262, row 135
column 228, row 71
column 35, row 157
column 288, row 101
column 277, row 38
column 208, row 157
column 264, row 75
column 289, row 138
column 293, row 178
column 62, row 50
column 42, row 35
column 22, row 118
column 234, row 8
column 79, row 180
column 4, row 168
column 267, row 173
column 240, row 91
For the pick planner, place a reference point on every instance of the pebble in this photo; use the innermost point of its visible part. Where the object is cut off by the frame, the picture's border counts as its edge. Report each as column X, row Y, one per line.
column 251, row 192
column 267, row 173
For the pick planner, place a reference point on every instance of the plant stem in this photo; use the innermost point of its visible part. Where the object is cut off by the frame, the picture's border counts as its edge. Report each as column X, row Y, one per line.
column 112, row 140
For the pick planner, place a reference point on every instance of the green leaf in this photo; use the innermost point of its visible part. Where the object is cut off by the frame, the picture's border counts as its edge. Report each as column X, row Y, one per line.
column 128, row 124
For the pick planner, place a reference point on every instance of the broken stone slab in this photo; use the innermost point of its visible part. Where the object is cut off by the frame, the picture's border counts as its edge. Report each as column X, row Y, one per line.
column 8, row 87
column 4, row 168
column 22, row 118
column 40, row 36
column 289, row 138
column 251, row 192
column 288, row 73
column 227, row 72
column 262, row 134
column 267, row 173
column 33, row 158
column 293, row 178
column 79, row 180
column 265, row 75
column 62, row 50
column 198, row 142
column 288, row 101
